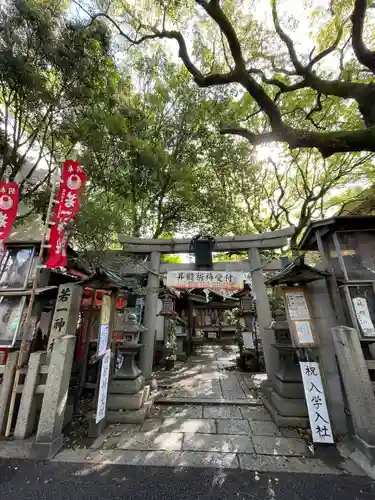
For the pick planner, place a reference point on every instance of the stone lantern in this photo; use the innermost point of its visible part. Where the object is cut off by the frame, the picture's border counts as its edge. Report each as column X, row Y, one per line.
column 129, row 398
column 129, row 332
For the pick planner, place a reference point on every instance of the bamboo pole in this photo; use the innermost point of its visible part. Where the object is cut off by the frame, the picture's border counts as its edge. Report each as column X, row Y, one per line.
column 27, row 332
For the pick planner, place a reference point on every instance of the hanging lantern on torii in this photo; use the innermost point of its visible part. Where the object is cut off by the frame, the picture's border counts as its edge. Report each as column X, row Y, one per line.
column 202, row 246
column 169, row 304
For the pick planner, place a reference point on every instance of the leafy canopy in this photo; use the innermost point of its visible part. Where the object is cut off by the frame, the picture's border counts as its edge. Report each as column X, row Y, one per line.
column 314, row 95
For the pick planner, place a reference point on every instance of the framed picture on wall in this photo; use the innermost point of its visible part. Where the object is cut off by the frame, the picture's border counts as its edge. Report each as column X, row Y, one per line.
column 11, row 315
column 15, row 268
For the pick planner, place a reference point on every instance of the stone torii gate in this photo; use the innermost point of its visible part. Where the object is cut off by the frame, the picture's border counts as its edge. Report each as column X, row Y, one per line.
column 250, row 243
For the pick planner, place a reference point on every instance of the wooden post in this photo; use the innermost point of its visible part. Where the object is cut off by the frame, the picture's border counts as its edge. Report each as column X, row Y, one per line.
column 86, row 347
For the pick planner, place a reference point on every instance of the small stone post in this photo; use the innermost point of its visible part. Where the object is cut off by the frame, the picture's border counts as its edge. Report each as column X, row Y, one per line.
column 271, row 356
column 6, row 389
column 151, row 309
column 358, row 387
column 26, row 413
column 49, row 438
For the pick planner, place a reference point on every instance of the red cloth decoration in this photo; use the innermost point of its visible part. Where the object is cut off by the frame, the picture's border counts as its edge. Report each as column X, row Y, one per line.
column 9, row 198
column 72, row 185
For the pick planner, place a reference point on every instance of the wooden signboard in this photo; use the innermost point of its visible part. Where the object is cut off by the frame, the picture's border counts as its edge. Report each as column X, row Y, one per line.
column 363, row 316
column 299, row 317
column 221, row 280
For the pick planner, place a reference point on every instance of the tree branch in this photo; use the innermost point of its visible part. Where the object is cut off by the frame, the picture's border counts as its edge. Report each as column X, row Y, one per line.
column 363, row 54
column 328, row 50
column 242, row 75
column 328, row 143
column 287, row 40
column 200, row 79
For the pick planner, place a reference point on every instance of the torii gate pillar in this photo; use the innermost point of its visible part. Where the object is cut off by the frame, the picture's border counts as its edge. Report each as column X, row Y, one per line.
column 271, row 356
column 151, row 309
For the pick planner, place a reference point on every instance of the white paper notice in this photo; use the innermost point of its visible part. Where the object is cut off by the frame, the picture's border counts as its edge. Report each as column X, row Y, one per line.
column 363, row 316
column 316, row 403
column 103, row 340
column 304, row 332
column 103, row 387
column 297, row 305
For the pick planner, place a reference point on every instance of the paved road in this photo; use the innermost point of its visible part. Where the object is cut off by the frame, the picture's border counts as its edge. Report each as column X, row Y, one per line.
column 32, row 480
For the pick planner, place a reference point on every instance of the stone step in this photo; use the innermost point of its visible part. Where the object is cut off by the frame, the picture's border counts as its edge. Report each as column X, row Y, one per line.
column 169, row 400
column 130, row 416
column 129, row 401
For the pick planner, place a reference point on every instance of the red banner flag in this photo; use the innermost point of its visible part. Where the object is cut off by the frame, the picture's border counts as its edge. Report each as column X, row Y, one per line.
column 9, row 197
column 72, row 185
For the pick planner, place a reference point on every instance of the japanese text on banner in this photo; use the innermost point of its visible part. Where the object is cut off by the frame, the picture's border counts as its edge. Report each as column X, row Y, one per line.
column 72, row 184
column 9, row 197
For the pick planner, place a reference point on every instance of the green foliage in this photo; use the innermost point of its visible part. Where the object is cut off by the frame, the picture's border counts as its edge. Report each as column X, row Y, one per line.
column 147, row 135
column 48, row 76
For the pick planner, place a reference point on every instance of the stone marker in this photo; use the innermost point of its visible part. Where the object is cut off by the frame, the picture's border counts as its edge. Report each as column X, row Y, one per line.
column 65, row 316
column 49, row 435
column 358, row 387
column 26, row 413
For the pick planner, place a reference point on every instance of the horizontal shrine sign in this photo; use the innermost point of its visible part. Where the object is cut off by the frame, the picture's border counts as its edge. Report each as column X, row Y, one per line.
column 221, row 280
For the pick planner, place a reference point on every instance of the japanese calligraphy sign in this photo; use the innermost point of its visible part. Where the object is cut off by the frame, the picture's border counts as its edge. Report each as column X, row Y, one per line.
column 205, row 279
column 9, row 197
column 72, row 184
column 363, row 315
column 297, row 305
column 299, row 317
column 316, row 403
column 66, row 312
column 105, row 314
column 103, row 387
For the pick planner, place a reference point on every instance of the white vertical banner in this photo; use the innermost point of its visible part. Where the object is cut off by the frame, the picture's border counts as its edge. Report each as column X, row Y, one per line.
column 316, row 402
column 103, row 335
column 103, row 387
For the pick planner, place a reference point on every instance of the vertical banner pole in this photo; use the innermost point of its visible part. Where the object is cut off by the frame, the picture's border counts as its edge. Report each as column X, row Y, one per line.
column 26, row 340
column 27, row 325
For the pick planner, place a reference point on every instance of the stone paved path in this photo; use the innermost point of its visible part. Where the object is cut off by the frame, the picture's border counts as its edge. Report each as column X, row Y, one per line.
column 205, row 377
column 236, row 433
column 220, row 436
